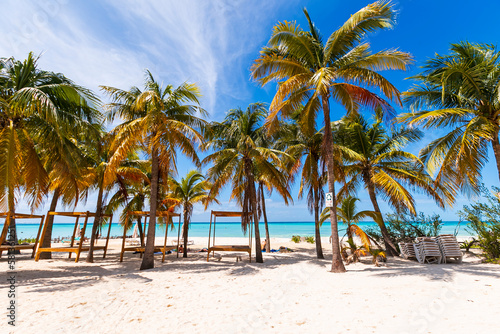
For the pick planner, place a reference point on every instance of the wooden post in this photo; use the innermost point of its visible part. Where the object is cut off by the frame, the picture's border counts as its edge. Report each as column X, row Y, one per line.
column 37, row 237
column 5, row 228
column 37, row 257
column 82, row 236
column 179, row 234
column 72, row 243
column 165, row 240
column 107, row 237
column 127, row 218
column 209, row 232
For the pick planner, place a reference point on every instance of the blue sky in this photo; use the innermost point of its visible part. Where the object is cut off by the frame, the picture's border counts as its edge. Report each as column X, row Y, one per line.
column 213, row 43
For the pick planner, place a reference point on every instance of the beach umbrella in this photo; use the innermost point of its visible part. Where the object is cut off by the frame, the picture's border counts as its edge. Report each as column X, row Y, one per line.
column 135, row 235
column 78, row 231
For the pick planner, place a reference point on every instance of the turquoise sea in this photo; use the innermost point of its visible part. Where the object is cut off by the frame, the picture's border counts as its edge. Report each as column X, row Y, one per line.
column 224, row 229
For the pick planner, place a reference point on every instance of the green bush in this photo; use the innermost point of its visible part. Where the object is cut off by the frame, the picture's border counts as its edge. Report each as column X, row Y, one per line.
column 27, row 240
column 310, row 240
column 404, row 227
column 296, row 238
column 484, row 221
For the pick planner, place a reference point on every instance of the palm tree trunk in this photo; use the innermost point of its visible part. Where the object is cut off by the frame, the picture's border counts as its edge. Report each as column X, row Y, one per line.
column 148, row 261
column 141, row 233
column 185, row 228
column 12, row 234
column 319, row 249
column 46, row 242
column 264, row 214
column 337, row 264
column 496, row 151
column 253, row 201
column 95, row 225
column 390, row 249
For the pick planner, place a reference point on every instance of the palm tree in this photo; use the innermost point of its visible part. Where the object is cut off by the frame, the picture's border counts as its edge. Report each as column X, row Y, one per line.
column 298, row 143
column 241, row 157
column 40, row 111
column 459, row 94
column 377, row 160
column 311, row 72
column 348, row 214
column 192, row 189
column 104, row 176
column 160, row 120
column 131, row 193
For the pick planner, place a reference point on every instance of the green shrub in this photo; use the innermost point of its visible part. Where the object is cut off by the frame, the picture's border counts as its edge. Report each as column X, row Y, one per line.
column 404, row 227
column 310, row 240
column 27, row 240
column 296, row 238
column 484, row 221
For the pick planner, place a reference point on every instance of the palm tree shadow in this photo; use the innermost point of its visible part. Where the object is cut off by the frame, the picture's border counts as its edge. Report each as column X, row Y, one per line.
column 433, row 272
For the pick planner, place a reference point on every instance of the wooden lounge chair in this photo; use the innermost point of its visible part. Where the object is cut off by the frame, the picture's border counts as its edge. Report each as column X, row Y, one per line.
column 72, row 248
column 164, row 249
column 5, row 231
column 181, row 242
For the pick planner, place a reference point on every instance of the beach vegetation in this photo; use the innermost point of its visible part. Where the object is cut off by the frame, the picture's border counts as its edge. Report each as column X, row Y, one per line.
column 131, row 192
column 405, row 227
column 191, row 189
column 158, row 121
column 296, row 238
column 310, row 239
column 306, row 147
column 484, row 222
column 41, row 113
column 240, row 157
column 458, row 93
column 265, row 186
column 376, row 158
column 314, row 72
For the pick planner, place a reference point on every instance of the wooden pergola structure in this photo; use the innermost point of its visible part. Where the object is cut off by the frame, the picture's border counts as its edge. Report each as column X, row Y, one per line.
column 72, row 248
column 228, row 248
column 140, row 249
column 3, row 237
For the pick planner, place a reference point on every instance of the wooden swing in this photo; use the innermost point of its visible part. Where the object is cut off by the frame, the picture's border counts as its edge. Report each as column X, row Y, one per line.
column 228, row 248
column 140, row 249
column 5, row 231
column 72, row 248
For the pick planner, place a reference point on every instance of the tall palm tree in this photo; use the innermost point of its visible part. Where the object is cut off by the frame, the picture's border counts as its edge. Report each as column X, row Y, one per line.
column 104, row 176
column 298, row 144
column 377, row 160
column 239, row 156
column 312, row 72
column 191, row 189
column 160, row 120
column 459, row 93
column 40, row 111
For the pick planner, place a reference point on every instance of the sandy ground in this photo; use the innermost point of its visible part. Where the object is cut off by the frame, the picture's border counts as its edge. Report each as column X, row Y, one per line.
column 291, row 293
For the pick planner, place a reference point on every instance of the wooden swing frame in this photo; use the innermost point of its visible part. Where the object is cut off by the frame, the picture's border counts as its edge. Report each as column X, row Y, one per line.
column 140, row 249
column 228, row 248
column 3, row 237
column 72, row 248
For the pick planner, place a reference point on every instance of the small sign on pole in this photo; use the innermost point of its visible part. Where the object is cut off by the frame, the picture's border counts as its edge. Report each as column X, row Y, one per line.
column 329, row 200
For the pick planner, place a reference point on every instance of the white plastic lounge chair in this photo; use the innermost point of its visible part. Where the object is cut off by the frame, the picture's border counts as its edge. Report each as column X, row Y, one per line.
column 427, row 251
column 449, row 247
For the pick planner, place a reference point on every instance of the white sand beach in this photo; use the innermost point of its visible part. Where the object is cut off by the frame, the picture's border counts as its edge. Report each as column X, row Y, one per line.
column 292, row 292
